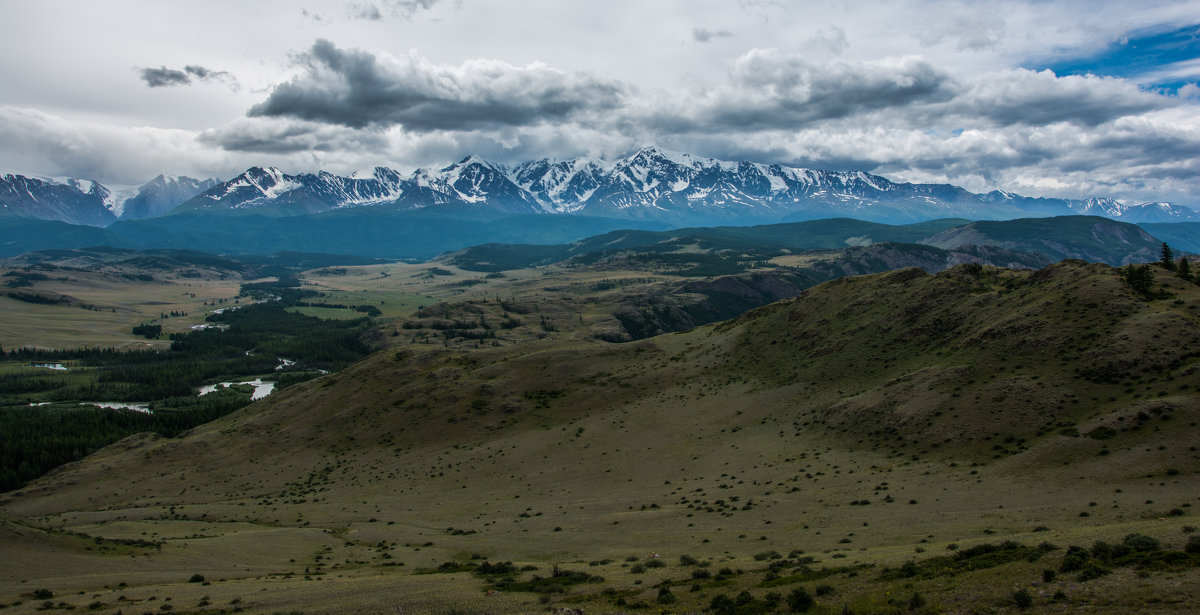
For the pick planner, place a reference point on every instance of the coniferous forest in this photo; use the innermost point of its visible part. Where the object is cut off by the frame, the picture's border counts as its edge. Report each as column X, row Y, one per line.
column 46, row 396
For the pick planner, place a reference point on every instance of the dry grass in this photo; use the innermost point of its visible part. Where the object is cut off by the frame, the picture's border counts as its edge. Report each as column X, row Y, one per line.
column 720, row 443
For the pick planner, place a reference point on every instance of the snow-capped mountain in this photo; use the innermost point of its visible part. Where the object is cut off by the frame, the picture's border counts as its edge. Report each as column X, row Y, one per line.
column 89, row 203
column 650, row 184
column 1137, row 212
column 160, row 195
column 78, row 201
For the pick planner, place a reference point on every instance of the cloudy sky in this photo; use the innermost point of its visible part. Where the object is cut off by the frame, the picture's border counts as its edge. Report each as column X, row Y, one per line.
column 1041, row 97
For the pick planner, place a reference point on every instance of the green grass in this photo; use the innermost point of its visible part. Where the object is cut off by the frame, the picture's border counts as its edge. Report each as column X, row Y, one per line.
column 327, row 313
column 869, row 423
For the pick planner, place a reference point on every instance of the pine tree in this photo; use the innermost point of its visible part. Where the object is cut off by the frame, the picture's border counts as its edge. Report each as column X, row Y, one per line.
column 1140, row 279
column 1184, row 269
column 1167, row 259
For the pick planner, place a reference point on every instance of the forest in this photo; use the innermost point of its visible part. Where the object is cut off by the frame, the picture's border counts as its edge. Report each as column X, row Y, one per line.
column 46, row 396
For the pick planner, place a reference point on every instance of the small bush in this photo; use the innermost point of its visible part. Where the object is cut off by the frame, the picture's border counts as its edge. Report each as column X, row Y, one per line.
column 665, row 596
column 916, row 601
column 1048, row 576
column 1142, row 542
column 1074, row 560
column 800, row 601
column 196, row 578
column 1023, row 598
column 1193, row 545
column 1092, row 570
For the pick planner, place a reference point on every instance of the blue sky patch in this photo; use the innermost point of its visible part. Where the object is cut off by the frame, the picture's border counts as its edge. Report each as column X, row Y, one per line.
column 1153, row 58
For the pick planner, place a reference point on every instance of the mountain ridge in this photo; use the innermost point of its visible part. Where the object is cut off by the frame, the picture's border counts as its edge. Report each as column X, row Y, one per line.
column 650, row 184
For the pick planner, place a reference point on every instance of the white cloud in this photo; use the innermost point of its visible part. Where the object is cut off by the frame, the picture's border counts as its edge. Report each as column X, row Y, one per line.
column 912, row 89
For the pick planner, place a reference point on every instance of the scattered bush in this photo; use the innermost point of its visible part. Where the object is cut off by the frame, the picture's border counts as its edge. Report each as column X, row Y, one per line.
column 1093, row 570
column 800, row 601
column 1074, row 560
column 1142, row 543
column 665, row 596
column 1023, row 598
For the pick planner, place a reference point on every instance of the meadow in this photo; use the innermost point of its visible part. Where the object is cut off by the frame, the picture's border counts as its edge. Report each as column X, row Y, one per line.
column 981, row 440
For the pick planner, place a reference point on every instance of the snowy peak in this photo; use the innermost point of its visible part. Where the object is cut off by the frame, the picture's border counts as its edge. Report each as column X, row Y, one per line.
column 652, row 183
column 162, row 194
column 560, row 186
column 649, row 183
column 76, row 201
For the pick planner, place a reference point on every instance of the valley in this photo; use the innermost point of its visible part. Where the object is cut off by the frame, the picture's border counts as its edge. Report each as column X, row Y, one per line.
column 592, row 433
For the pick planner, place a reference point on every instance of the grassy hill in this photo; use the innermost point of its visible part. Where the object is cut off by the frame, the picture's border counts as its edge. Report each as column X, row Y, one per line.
column 1089, row 238
column 1085, row 237
column 760, row 240
column 897, row 442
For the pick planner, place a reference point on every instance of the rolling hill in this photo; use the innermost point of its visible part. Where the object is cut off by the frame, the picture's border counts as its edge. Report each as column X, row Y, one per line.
column 867, row 428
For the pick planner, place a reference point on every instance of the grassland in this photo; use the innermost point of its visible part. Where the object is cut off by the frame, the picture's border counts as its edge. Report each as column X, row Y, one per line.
column 100, row 308
column 874, row 442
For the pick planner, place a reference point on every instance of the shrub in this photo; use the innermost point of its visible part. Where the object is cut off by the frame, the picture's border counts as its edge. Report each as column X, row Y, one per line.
column 1092, row 570
column 1193, row 545
column 1074, row 560
column 1142, row 542
column 196, row 578
column 1023, row 598
column 721, row 604
column 497, row 568
column 1048, row 576
column 916, row 601
column 665, row 596
column 800, row 601
column 687, row 560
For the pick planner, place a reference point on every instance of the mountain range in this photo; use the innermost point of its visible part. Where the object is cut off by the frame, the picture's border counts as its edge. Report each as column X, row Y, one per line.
column 90, row 203
column 649, row 185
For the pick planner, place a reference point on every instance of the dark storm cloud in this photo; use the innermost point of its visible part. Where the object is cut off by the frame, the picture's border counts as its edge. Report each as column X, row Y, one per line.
column 772, row 91
column 286, row 136
column 1040, row 98
column 357, row 89
column 165, row 77
column 704, row 35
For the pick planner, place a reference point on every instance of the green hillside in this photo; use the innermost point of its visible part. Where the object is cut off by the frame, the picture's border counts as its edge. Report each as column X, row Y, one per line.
column 898, row 442
column 1090, row 238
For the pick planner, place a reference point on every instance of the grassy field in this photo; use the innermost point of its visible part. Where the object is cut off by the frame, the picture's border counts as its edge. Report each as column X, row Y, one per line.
column 888, row 444
column 101, row 309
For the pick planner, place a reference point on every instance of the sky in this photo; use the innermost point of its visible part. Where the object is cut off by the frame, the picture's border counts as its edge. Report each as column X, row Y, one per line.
column 1077, row 99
